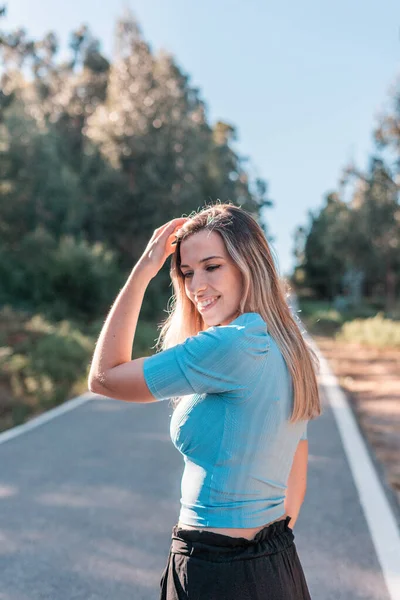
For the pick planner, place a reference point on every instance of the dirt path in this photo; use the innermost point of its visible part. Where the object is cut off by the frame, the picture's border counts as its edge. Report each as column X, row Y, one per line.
column 372, row 379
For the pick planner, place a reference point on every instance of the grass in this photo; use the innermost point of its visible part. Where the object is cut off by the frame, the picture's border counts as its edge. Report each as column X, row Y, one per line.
column 363, row 324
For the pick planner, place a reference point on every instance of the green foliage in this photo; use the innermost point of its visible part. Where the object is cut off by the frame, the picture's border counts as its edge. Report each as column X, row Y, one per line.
column 94, row 156
column 371, row 324
column 43, row 363
column 324, row 322
column 376, row 331
column 324, row 258
column 106, row 151
column 82, row 277
column 368, row 308
column 354, row 248
column 69, row 277
column 310, row 307
column 40, row 361
column 362, row 311
column 37, row 186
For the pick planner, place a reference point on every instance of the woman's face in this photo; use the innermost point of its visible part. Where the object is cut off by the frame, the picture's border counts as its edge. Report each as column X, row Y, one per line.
column 208, row 279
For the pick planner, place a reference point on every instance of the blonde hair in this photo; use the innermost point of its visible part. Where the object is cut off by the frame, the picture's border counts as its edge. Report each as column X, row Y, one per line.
column 263, row 293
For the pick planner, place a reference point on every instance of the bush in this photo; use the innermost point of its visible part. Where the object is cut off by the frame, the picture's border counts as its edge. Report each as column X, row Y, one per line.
column 325, row 322
column 376, row 331
column 320, row 317
column 42, row 364
column 41, row 361
column 68, row 278
column 363, row 311
column 310, row 307
column 84, row 279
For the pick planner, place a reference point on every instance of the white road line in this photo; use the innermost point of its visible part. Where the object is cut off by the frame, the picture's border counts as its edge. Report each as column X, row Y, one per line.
column 9, row 434
column 378, row 512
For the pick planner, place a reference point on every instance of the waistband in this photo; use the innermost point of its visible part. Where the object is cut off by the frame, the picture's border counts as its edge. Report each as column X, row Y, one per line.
column 222, row 548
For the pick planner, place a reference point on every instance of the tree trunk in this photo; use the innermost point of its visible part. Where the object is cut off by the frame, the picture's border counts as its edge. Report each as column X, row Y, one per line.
column 390, row 298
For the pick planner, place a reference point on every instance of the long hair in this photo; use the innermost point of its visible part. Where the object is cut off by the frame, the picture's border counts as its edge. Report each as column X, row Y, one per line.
column 263, row 293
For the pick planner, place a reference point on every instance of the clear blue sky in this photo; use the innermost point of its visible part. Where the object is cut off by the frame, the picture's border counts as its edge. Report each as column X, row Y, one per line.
column 302, row 81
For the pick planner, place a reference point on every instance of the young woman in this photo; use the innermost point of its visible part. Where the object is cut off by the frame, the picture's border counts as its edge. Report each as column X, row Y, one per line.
column 244, row 386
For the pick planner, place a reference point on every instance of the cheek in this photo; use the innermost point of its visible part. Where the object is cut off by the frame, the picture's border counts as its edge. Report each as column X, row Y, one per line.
column 234, row 281
column 236, row 286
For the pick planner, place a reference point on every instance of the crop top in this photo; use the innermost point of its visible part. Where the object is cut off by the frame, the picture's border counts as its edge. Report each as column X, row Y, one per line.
column 231, row 426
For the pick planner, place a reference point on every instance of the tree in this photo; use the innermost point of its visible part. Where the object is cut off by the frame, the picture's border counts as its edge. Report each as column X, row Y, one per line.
column 376, row 219
column 107, row 151
column 321, row 249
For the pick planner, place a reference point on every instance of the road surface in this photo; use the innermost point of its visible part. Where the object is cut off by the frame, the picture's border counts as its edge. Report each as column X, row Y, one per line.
column 88, row 500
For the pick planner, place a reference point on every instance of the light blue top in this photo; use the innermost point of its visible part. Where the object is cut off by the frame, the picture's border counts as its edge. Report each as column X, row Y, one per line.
column 232, row 425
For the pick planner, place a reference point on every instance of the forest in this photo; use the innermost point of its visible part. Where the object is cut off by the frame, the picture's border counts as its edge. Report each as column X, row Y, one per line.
column 95, row 153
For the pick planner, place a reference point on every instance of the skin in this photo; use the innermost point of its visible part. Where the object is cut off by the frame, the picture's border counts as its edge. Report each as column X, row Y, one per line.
column 215, row 277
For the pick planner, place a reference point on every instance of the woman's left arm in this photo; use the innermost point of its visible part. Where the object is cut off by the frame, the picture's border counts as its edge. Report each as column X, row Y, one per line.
column 114, row 345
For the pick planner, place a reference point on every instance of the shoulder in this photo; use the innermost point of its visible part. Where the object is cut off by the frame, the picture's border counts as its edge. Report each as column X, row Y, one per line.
column 254, row 333
column 248, row 333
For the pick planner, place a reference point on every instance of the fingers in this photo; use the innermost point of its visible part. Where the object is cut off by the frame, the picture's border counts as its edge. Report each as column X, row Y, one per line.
column 172, row 225
column 177, row 223
column 177, row 227
column 168, row 229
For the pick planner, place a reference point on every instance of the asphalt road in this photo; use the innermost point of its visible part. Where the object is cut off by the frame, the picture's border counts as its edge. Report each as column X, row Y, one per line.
column 88, row 501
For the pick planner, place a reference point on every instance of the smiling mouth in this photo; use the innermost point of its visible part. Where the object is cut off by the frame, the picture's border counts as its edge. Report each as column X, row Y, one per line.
column 203, row 309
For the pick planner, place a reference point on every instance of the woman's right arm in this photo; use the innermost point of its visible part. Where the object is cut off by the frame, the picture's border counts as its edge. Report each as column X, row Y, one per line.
column 297, row 482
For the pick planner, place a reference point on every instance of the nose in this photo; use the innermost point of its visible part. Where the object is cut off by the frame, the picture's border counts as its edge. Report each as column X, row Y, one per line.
column 197, row 284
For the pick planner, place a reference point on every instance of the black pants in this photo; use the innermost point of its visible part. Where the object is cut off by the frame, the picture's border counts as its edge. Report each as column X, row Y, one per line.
column 203, row 565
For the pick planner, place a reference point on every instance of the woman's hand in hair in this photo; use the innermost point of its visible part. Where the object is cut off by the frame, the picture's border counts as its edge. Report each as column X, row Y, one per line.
column 160, row 246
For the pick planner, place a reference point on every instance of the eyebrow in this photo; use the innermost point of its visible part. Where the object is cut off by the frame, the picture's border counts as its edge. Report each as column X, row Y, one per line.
column 203, row 260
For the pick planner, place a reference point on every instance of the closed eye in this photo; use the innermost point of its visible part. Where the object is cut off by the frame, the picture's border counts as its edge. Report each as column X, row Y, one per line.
column 212, row 268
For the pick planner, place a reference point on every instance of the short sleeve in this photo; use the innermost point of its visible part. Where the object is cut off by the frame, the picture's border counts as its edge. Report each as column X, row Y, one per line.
column 214, row 361
column 304, row 436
